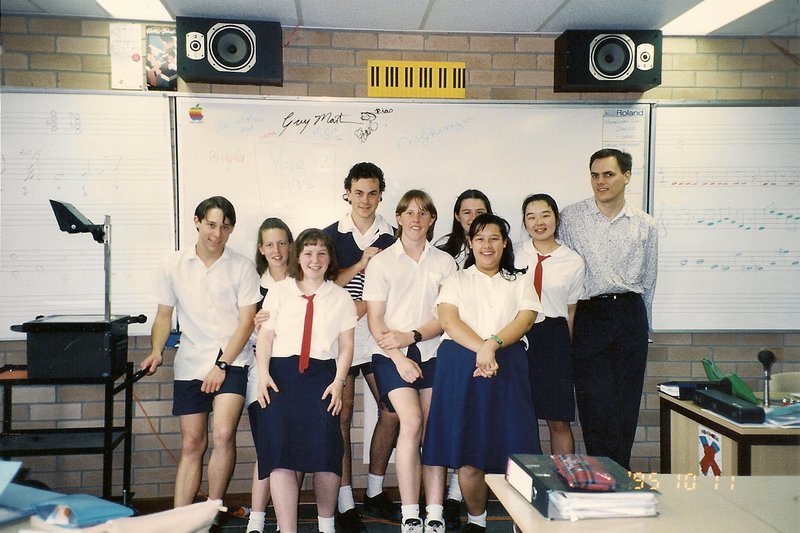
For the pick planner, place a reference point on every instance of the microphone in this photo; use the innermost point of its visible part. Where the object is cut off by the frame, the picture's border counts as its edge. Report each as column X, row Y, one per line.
column 766, row 358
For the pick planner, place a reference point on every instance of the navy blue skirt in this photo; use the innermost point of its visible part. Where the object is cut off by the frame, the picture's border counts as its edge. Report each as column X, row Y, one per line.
column 479, row 421
column 550, row 363
column 295, row 431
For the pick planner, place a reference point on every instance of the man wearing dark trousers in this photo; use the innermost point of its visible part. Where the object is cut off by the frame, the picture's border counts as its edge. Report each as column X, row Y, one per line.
column 619, row 244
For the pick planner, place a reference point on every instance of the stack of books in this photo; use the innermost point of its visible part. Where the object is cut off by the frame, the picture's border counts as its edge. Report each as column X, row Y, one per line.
column 600, row 487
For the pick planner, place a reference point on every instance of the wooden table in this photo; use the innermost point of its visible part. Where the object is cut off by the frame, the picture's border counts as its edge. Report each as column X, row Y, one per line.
column 747, row 449
column 686, row 503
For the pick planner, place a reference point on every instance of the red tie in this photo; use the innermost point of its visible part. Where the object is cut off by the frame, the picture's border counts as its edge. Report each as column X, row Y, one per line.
column 305, row 347
column 537, row 275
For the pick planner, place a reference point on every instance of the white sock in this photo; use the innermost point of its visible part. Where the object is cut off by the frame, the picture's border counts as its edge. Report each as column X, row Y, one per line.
column 434, row 512
column 479, row 520
column 345, row 501
column 374, row 485
column 256, row 521
column 454, row 490
column 326, row 525
column 409, row 511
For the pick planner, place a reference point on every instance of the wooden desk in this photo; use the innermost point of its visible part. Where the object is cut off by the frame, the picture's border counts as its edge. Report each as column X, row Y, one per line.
column 747, row 449
column 686, row 503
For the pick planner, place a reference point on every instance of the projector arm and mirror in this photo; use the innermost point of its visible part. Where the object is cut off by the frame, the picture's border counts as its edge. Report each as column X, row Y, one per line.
column 71, row 220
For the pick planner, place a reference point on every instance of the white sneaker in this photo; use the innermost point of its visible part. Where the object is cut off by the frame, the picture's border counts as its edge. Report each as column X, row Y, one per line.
column 434, row 526
column 412, row 525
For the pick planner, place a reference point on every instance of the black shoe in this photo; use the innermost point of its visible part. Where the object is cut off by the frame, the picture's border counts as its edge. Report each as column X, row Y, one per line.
column 452, row 514
column 382, row 506
column 473, row 528
column 349, row 522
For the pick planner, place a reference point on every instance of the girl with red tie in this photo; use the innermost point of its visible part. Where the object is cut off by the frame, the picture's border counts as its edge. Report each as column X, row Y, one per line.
column 558, row 274
column 303, row 353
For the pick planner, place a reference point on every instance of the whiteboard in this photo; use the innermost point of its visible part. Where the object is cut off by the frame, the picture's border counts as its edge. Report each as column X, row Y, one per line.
column 727, row 201
column 289, row 157
column 106, row 155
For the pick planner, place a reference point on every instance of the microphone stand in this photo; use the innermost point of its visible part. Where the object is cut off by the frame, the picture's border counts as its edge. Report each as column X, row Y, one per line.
column 766, row 358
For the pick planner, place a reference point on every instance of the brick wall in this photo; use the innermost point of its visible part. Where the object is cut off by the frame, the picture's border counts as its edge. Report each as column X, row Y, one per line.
column 68, row 53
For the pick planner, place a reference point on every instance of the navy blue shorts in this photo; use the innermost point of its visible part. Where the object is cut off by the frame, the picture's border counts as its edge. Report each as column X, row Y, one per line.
column 388, row 379
column 365, row 369
column 188, row 399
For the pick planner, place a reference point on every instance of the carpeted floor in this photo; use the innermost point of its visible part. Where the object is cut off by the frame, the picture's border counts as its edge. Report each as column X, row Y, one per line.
column 498, row 521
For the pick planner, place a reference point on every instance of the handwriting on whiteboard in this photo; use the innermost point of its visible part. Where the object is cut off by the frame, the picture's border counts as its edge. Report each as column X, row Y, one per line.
column 365, row 123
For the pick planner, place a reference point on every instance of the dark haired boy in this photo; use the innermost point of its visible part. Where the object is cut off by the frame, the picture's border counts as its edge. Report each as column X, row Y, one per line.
column 215, row 291
column 358, row 236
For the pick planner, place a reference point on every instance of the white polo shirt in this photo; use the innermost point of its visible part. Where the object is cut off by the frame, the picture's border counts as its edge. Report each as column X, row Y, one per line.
column 409, row 290
column 487, row 304
column 334, row 312
column 207, row 302
column 562, row 276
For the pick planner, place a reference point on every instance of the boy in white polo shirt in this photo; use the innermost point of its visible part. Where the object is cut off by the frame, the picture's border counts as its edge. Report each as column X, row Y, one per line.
column 215, row 291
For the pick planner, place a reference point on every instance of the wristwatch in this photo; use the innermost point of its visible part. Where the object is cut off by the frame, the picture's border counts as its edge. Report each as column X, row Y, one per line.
column 222, row 365
column 417, row 335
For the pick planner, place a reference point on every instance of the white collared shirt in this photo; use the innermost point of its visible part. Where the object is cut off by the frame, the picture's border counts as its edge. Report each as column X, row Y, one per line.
column 350, row 244
column 487, row 304
column 562, row 276
column 334, row 312
column 409, row 289
column 207, row 302
column 365, row 240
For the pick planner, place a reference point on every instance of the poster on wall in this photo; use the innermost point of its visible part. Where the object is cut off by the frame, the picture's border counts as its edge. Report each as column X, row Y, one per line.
column 125, row 44
column 709, row 453
column 162, row 58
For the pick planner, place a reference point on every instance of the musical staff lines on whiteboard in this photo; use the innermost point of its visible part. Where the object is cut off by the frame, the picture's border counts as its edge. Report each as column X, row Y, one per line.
column 106, row 155
column 28, row 165
column 727, row 201
column 728, row 177
column 698, row 304
column 105, row 123
column 781, row 260
column 747, row 220
column 691, row 134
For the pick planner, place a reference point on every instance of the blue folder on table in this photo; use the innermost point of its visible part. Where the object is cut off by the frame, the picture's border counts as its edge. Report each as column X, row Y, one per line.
column 17, row 502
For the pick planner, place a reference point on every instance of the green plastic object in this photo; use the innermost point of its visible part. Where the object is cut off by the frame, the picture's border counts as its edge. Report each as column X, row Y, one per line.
column 738, row 387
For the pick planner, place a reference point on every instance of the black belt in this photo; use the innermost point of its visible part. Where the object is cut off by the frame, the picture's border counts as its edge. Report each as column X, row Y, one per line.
column 614, row 296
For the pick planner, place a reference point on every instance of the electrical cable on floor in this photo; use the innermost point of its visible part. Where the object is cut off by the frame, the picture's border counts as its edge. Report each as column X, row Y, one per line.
column 160, row 440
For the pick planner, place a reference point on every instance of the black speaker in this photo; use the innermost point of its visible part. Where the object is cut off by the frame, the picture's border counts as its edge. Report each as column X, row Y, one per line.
column 230, row 51
column 607, row 61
